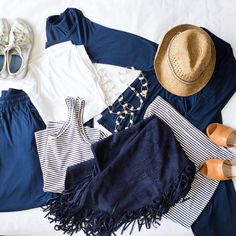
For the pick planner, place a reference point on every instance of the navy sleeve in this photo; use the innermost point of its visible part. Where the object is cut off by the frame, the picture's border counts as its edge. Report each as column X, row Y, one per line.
column 222, row 86
column 103, row 45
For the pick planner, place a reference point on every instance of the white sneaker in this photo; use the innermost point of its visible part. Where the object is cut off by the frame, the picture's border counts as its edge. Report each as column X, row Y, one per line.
column 19, row 48
column 4, row 36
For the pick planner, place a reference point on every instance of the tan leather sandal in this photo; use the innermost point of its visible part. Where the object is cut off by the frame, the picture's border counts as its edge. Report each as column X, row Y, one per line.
column 218, row 169
column 221, row 135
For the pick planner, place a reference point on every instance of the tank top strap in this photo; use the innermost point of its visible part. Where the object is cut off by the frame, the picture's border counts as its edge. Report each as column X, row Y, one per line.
column 70, row 102
column 72, row 110
column 79, row 110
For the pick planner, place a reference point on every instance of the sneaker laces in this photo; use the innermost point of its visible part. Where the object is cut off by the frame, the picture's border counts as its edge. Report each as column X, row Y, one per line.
column 3, row 41
column 18, row 38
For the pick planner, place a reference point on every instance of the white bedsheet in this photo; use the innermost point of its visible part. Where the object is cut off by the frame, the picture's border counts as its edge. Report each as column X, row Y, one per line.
column 147, row 18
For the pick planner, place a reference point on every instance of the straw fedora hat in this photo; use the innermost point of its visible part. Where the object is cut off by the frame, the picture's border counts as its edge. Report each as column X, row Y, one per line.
column 185, row 60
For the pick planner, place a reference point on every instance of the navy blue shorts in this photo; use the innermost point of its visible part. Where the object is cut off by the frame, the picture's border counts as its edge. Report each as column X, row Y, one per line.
column 21, row 181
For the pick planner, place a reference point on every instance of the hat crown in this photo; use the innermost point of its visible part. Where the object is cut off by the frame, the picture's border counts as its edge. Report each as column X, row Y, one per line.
column 189, row 55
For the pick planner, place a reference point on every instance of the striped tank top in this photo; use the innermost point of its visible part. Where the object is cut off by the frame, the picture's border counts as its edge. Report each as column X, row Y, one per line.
column 64, row 144
column 198, row 148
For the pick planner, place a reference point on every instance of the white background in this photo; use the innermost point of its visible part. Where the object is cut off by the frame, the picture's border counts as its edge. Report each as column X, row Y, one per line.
column 147, row 18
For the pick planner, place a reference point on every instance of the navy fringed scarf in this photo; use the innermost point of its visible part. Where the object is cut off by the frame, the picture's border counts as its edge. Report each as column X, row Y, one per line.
column 139, row 174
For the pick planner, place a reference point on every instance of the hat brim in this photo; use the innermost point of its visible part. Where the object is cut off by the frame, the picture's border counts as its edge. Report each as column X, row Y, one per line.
column 164, row 73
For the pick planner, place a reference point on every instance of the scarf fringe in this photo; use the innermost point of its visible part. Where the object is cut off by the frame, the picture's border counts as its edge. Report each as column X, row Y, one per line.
column 69, row 215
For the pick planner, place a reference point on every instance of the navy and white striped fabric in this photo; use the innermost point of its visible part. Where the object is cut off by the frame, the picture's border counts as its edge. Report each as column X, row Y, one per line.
column 198, row 148
column 64, row 144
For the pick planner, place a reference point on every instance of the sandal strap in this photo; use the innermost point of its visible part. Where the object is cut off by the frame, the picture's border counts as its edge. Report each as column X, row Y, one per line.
column 213, row 169
column 220, row 135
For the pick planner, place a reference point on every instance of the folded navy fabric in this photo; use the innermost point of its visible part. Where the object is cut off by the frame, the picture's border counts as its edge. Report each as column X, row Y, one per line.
column 139, row 174
column 21, row 180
